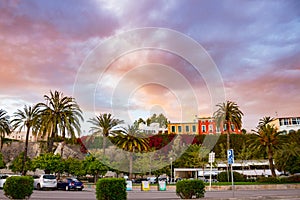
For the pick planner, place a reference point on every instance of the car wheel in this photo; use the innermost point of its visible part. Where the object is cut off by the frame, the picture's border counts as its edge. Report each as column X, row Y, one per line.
column 80, row 189
column 38, row 187
column 67, row 188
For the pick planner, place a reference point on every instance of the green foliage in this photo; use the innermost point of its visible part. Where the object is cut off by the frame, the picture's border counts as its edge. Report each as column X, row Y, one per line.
column 48, row 162
column 18, row 187
column 2, row 164
column 93, row 166
column 290, row 179
column 263, row 179
column 237, row 177
column 111, row 189
column 187, row 189
column 74, row 166
column 17, row 164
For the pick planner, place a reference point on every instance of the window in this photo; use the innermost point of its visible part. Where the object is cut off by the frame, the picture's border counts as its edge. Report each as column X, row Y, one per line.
column 298, row 120
column 281, row 122
column 179, row 129
column 232, row 127
column 187, row 129
column 210, row 128
column 203, row 128
column 173, row 130
column 218, row 129
column 286, row 121
column 294, row 121
column 225, row 127
column 194, row 128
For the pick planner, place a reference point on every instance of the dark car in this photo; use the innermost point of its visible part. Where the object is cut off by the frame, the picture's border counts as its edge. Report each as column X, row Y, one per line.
column 70, row 184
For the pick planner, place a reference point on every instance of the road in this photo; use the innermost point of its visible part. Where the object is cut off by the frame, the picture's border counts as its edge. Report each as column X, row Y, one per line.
column 291, row 194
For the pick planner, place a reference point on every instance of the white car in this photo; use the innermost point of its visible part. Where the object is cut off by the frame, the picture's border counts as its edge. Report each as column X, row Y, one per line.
column 45, row 181
column 3, row 179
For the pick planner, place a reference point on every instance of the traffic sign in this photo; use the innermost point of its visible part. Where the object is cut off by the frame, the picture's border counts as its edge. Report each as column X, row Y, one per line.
column 211, row 157
column 230, row 156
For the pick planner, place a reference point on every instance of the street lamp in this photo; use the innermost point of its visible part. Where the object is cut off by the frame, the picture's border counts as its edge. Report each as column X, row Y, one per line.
column 171, row 159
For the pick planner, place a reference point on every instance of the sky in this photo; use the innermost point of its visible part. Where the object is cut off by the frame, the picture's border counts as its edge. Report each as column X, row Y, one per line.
column 135, row 58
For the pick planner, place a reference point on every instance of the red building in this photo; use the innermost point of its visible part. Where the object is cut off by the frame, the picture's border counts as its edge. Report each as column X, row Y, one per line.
column 207, row 125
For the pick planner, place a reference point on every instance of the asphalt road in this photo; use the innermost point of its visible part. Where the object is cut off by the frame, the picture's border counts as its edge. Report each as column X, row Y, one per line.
column 292, row 194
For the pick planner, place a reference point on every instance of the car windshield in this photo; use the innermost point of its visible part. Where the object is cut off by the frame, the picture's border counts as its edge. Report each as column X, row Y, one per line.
column 49, row 176
column 75, row 180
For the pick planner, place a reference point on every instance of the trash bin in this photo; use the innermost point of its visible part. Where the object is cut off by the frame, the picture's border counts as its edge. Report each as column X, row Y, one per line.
column 162, row 185
column 128, row 185
column 145, row 186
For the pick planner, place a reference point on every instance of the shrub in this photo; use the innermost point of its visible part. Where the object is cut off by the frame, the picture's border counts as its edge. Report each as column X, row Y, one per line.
column 18, row 187
column 237, row 177
column 290, row 179
column 263, row 179
column 111, row 189
column 187, row 189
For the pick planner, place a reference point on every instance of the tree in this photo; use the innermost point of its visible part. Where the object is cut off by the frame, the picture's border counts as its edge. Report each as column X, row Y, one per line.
column 48, row 162
column 103, row 124
column 18, row 164
column 74, row 166
column 129, row 139
column 267, row 138
column 287, row 157
column 228, row 114
column 94, row 166
column 2, row 163
column 264, row 121
column 61, row 115
column 26, row 119
column 4, row 126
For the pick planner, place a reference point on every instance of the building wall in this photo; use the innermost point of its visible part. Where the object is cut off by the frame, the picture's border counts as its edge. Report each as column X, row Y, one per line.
column 287, row 124
column 205, row 125
column 183, row 128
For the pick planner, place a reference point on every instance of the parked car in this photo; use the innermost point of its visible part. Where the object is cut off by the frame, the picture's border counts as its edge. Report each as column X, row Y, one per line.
column 3, row 179
column 45, row 181
column 139, row 180
column 70, row 184
column 152, row 180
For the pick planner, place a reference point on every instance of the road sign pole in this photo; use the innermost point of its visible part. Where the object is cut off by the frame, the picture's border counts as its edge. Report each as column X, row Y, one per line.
column 211, row 159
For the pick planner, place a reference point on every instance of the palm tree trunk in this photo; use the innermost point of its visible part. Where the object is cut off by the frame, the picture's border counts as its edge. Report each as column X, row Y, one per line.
column 25, row 152
column 104, row 144
column 228, row 147
column 270, row 158
column 50, row 143
column 130, row 165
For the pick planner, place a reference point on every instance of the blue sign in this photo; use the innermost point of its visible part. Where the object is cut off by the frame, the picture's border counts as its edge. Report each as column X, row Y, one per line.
column 230, row 156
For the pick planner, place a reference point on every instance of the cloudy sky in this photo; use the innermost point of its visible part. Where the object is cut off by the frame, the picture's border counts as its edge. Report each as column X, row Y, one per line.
column 135, row 58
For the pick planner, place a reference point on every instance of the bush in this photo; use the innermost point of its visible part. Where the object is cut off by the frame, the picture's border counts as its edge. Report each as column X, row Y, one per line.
column 263, row 179
column 237, row 177
column 187, row 189
column 18, row 187
column 111, row 189
column 290, row 179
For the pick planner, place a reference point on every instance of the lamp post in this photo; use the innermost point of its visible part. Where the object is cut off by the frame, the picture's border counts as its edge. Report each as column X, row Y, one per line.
column 171, row 159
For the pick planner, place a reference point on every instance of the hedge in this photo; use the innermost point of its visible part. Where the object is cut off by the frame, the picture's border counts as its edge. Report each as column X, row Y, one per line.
column 18, row 187
column 188, row 189
column 237, row 177
column 111, row 189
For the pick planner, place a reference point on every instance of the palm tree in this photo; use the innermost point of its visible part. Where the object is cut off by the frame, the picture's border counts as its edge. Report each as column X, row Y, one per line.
column 267, row 138
column 127, row 138
column 4, row 126
column 264, row 121
column 228, row 114
column 61, row 116
column 26, row 119
column 103, row 124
